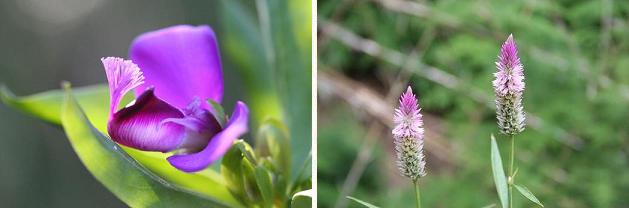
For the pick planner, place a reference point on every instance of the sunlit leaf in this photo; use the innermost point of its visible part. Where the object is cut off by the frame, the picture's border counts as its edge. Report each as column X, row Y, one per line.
column 114, row 168
column 499, row 173
column 528, row 194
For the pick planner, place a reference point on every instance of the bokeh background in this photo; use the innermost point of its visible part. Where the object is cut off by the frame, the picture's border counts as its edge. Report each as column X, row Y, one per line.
column 45, row 42
column 574, row 152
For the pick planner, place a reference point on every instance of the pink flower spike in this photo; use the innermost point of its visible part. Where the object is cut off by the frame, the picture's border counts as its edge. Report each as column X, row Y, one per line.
column 509, row 87
column 510, row 75
column 408, row 136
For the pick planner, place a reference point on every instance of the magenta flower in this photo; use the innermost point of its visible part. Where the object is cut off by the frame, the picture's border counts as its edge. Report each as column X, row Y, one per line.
column 408, row 136
column 178, row 69
column 509, row 87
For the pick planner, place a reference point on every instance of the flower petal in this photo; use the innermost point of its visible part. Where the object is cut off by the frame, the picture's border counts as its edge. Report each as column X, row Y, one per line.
column 218, row 145
column 200, row 126
column 123, row 76
column 140, row 125
column 181, row 62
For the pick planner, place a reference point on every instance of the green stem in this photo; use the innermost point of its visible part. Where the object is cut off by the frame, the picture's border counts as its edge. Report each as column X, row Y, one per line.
column 417, row 197
column 511, row 178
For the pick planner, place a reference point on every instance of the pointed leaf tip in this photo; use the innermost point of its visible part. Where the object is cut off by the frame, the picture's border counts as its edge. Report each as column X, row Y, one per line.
column 528, row 194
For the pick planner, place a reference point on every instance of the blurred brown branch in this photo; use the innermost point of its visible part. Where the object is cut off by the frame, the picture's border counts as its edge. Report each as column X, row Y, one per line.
column 438, row 76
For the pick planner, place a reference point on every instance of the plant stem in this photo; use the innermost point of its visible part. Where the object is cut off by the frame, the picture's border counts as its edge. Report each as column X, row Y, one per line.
column 417, row 197
column 511, row 178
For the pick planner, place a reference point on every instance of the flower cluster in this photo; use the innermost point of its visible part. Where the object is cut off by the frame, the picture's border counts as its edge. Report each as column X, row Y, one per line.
column 408, row 136
column 509, row 87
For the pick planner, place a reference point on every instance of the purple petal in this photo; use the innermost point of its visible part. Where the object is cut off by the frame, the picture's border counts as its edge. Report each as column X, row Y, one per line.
column 140, row 125
column 123, row 76
column 181, row 62
column 219, row 144
column 200, row 126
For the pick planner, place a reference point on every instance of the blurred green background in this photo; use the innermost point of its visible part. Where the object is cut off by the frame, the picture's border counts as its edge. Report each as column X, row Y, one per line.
column 574, row 152
column 45, row 42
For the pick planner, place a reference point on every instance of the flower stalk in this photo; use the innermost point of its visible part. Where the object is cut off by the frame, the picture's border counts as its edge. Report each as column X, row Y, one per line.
column 417, row 195
column 511, row 180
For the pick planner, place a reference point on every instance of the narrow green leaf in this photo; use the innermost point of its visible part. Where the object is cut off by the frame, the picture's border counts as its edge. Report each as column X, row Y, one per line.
column 302, row 199
column 292, row 76
column 242, row 42
column 527, row 193
column 362, row 202
column 303, row 174
column 94, row 100
column 120, row 173
column 218, row 112
column 265, row 184
column 499, row 174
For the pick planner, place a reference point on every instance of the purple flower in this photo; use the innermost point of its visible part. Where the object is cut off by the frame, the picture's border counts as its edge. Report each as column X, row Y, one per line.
column 509, row 87
column 408, row 136
column 178, row 69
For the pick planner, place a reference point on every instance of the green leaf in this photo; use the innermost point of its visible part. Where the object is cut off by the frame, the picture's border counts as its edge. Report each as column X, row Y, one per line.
column 115, row 169
column 94, row 102
column 199, row 181
column 218, row 112
column 499, row 173
column 265, row 184
column 527, row 193
column 302, row 199
column 362, row 202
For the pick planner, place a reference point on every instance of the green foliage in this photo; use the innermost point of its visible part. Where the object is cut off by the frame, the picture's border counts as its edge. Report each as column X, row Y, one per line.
column 269, row 53
column 254, row 179
column 575, row 81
